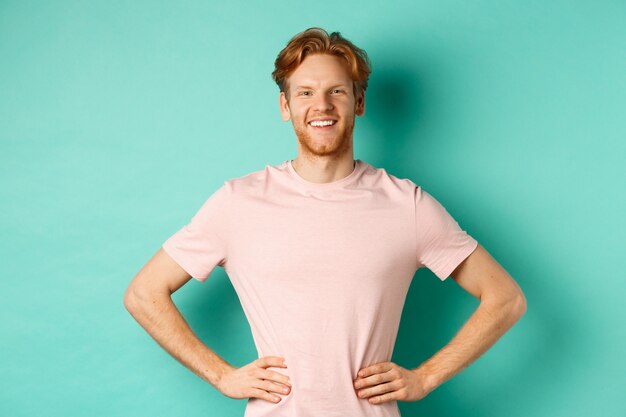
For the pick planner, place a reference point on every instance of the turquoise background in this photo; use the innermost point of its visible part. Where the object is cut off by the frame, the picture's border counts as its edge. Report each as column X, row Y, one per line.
column 119, row 119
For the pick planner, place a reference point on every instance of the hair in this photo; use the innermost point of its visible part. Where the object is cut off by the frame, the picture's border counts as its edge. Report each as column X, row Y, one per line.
column 316, row 40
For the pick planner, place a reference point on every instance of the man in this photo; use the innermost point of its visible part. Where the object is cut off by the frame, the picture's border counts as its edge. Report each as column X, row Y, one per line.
column 321, row 251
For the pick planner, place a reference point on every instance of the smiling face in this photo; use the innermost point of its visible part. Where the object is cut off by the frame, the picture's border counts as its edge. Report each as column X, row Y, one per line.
column 322, row 105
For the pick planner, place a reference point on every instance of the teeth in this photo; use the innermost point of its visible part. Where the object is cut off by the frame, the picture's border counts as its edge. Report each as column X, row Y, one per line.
column 322, row 123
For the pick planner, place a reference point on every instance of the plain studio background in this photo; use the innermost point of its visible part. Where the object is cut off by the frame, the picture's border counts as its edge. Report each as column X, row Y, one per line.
column 119, row 119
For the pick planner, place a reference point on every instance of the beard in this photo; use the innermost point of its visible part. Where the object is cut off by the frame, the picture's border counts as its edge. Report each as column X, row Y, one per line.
column 325, row 144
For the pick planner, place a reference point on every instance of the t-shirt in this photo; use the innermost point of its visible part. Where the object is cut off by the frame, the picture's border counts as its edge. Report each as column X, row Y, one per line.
column 322, row 271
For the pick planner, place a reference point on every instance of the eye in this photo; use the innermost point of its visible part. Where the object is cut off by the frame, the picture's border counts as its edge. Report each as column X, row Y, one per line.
column 338, row 90
column 304, row 93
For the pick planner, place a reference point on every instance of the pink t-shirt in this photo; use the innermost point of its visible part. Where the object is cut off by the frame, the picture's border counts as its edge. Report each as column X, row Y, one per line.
column 322, row 271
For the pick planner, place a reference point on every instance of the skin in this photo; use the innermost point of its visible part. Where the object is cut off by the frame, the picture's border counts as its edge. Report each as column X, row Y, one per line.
column 325, row 156
column 502, row 304
column 148, row 298
column 322, row 87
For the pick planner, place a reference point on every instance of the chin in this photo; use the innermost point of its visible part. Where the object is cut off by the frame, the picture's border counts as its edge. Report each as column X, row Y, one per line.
column 321, row 146
column 334, row 147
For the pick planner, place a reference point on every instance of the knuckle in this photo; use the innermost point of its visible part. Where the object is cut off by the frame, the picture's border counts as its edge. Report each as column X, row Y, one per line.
column 277, row 376
column 281, row 388
column 253, row 393
column 402, row 394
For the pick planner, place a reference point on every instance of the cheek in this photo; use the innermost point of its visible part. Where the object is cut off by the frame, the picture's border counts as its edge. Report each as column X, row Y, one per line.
column 300, row 115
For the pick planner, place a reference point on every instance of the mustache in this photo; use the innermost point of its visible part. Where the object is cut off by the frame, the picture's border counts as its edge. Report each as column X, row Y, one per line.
column 321, row 116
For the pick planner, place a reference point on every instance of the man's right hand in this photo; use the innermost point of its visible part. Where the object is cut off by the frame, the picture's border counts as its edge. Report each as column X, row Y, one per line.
column 255, row 381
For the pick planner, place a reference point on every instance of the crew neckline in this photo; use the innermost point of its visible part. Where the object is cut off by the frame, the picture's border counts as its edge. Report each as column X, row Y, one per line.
column 326, row 185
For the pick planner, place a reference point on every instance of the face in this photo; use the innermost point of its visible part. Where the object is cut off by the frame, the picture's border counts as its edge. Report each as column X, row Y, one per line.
column 321, row 89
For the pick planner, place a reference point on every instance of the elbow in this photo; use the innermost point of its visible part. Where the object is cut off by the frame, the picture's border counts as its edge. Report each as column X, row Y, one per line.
column 130, row 300
column 140, row 296
column 134, row 297
column 519, row 304
column 512, row 305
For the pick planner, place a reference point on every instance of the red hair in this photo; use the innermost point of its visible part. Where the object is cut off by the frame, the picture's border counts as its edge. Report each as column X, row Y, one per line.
column 316, row 40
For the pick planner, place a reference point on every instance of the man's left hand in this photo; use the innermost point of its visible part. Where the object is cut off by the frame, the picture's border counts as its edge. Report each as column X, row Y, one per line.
column 386, row 381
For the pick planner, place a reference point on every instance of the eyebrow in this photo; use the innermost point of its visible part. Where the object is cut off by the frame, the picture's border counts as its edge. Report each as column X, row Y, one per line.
column 299, row 87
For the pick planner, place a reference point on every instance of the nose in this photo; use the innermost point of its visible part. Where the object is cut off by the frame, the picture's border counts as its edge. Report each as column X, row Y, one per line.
column 323, row 103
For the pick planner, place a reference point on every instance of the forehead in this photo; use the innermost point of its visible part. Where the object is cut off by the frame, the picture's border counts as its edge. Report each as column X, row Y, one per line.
column 321, row 69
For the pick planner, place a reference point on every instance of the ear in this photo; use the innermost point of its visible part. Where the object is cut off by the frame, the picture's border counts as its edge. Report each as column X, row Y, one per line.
column 284, row 107
column 359, row 107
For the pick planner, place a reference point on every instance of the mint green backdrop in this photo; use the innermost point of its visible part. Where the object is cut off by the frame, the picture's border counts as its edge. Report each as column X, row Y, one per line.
column 118, row 119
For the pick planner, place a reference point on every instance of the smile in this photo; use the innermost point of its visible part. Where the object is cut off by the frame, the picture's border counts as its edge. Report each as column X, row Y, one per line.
column 322, row 123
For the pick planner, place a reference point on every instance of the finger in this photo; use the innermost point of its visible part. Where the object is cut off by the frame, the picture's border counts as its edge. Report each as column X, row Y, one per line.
column 272, row 376
column 267, row 361
column 383, row 398
column 271, row 386
column 264, row 395
column 374, row 369
column 373, row 380
column 377, row 390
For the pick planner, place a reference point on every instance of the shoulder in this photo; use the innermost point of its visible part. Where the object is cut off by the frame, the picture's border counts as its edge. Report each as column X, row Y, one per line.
column 392, row 184
column 254, row 181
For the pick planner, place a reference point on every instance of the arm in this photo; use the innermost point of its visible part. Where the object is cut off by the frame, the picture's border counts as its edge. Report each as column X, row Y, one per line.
column 502, row 304
column 148, row 299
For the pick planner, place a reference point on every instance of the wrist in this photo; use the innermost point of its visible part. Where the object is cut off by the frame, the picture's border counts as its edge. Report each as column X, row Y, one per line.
column 428, row 380
column 218, row 373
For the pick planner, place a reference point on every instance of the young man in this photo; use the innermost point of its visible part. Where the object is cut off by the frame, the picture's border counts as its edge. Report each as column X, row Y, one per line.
column 321, row 251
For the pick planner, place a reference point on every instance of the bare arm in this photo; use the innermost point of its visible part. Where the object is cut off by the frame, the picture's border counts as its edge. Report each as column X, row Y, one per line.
column 502, row 304
column 148, row 299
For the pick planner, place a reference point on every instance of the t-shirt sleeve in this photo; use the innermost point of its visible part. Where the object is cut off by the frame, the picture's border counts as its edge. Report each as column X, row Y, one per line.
column 441, row 243
column 199, row 246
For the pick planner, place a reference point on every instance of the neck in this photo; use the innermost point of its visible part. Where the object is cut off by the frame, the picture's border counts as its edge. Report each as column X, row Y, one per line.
column 323, row 169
